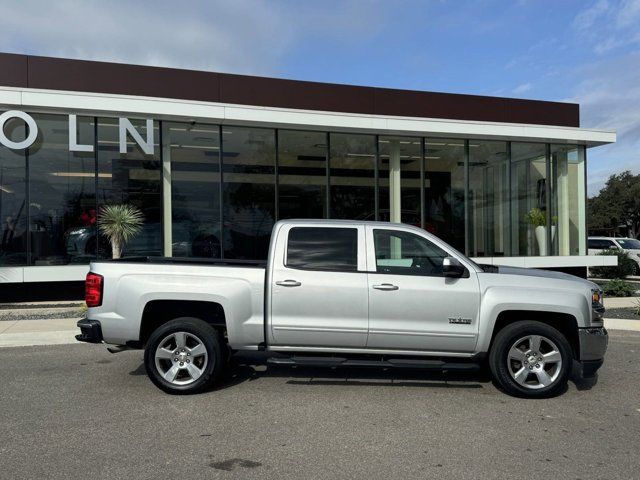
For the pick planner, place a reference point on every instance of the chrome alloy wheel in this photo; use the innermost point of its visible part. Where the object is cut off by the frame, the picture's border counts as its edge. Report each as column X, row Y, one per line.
column 534, row 362
column 181, row 358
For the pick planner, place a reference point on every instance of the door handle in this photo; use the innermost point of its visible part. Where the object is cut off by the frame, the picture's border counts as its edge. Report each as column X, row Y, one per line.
column 386, row 286
column 289, row 283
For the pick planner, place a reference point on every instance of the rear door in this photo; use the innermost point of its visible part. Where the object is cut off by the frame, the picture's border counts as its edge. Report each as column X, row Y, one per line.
column 319, row 287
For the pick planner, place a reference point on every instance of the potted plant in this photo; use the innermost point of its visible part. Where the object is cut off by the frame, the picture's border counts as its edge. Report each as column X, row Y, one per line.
column 119, row 223
column 538, row 219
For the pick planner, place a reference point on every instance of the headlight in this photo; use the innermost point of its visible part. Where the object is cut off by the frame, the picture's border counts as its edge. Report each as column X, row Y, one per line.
column 596, row 297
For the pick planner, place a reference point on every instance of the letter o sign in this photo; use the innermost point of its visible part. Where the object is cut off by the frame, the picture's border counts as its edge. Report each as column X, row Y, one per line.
column 28, row 119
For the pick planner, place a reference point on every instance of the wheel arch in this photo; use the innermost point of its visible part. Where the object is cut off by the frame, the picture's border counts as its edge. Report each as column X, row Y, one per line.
column 565, row 323
column 159, row 312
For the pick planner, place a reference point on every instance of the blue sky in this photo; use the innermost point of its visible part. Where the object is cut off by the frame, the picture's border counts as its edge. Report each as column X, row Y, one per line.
column 580, row 51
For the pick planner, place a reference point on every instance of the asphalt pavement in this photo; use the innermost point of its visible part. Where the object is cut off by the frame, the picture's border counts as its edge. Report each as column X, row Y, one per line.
column 76, row 411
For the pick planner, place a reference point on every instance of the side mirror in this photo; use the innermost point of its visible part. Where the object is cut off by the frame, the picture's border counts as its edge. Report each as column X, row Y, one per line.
column 452, row 268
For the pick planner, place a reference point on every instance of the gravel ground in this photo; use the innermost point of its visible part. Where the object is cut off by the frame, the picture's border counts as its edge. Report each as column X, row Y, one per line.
column 624, row 313
column 13, row 315
column 75, row 411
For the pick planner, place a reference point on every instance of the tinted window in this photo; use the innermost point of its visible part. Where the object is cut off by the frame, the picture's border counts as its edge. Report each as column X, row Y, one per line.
column 405, row 253
column 600, row 244
column 629, row 243
column 323, row 248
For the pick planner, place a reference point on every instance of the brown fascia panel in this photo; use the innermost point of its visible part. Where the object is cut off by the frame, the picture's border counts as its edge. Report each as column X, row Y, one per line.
column 13, row 70
column 116, row 78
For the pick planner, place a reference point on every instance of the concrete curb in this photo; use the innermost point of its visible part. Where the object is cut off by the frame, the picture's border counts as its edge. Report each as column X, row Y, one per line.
column 621, row 324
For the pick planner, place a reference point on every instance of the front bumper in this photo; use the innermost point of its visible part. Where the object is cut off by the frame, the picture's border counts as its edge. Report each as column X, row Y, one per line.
column 593, row 346
column 593, row 343
column 90, row 331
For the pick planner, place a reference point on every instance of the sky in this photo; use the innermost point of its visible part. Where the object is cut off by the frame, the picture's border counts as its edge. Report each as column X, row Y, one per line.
column 587, row 52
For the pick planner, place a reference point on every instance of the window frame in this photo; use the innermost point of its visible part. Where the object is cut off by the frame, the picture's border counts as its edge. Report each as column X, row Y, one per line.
column 360, row 252
column 371, row 251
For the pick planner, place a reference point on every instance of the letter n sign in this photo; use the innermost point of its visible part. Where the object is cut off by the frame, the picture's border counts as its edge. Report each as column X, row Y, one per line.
column 125, row 126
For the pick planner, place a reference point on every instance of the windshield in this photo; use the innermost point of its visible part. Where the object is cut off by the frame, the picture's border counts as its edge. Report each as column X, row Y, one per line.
column 629, row 243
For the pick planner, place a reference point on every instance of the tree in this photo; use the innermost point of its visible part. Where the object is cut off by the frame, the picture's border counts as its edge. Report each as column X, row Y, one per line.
column 119, row 223
column 618, row 203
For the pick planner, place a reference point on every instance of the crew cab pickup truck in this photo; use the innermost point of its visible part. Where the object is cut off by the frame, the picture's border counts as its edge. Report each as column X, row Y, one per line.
column 345, row 293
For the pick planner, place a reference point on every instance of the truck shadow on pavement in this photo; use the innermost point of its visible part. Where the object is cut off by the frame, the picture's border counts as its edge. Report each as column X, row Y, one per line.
column 248, row 368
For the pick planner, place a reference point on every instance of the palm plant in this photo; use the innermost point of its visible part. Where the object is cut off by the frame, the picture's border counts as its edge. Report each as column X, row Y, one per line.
column 119, row 223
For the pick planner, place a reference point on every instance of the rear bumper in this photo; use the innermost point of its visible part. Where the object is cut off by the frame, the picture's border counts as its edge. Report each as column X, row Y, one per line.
column 90, row 331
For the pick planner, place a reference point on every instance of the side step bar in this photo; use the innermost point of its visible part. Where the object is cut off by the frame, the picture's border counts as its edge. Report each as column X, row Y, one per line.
column 384, row 363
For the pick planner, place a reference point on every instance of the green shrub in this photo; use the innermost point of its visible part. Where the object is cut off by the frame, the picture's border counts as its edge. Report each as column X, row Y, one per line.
column 618, row 288
column 637, row 307
column 622, row 270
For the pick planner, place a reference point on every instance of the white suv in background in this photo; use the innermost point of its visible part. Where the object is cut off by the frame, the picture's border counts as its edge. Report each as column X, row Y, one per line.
column 629, row 245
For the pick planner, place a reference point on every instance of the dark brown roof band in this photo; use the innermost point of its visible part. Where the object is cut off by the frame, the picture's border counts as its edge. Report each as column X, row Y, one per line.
column 86, row 76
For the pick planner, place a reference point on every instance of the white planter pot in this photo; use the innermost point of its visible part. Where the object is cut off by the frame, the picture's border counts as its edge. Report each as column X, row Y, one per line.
column 541, row 237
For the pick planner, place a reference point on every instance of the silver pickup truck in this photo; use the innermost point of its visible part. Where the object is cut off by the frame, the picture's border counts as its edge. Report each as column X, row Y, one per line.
column 345, row 293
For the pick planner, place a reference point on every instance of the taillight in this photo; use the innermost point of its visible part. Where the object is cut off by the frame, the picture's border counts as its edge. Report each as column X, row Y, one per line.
column 93, row 290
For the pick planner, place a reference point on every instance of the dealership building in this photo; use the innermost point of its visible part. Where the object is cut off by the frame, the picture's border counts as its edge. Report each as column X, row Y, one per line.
column 213, row 160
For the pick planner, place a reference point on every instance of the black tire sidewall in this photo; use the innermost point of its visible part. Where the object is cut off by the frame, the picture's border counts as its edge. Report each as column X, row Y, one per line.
column 210, row 339
column 503, row 342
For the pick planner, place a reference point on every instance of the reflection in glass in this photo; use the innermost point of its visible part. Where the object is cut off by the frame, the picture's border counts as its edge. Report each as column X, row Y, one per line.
column 62, row 193
column 302, row 174
column 488, row 199
column 444, row 189
column 323, row 248
column 13, row 200
column 403, row 156
column 352, row 176
column 249, row 191
column 528, row 199
column 195, row 188
column 133, row 178
column 568, row 200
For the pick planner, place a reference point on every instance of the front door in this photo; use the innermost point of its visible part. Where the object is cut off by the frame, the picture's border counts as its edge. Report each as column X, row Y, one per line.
column 319, row 287
column 412, row 306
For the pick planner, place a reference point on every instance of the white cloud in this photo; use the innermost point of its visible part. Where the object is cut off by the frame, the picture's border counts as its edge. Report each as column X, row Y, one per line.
column 240, row 36
column 629, row 13
column 585, row 19
column 522, row 88
column 609, row 99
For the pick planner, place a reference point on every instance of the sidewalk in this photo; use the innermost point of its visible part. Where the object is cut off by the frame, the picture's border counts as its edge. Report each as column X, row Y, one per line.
column 62, row 331
column 49, row 331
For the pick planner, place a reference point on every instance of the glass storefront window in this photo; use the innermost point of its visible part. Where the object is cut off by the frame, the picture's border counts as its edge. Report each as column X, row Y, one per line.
column 302, row 174
column 249, row 199
column 444, row 190
column 194, row 154
column 132, row 178
column 352, row 176
column 488, row 199
column 568, row 200
column 529, row 188
column 400, row 158
column 13, row 198
column 62, row 197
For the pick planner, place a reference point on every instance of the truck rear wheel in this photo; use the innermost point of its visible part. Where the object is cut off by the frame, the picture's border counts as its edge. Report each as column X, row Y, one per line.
column 531, row 359
column 184, row 356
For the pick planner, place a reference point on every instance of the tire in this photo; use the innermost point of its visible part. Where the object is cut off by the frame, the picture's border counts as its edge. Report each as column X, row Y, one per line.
column 184, row 356
column 635, row 269
column 531, row 359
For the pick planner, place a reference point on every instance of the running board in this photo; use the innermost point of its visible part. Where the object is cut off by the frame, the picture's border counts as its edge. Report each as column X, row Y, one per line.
column 385, row 363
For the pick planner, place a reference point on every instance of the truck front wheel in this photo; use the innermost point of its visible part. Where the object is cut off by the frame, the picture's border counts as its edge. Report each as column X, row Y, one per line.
column 531, row 359
column 184, row 356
